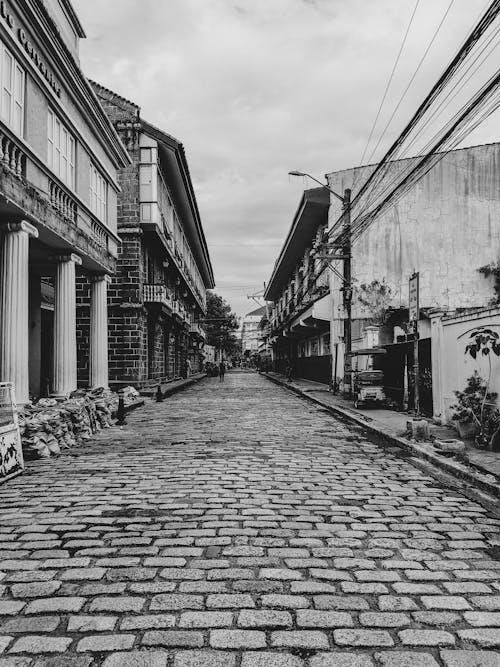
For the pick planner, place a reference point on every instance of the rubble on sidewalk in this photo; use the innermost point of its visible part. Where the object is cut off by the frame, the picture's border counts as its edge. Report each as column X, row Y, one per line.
column 51, row 424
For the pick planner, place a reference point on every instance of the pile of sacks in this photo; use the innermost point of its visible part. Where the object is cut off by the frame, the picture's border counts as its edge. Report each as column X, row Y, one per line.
column 51, row 425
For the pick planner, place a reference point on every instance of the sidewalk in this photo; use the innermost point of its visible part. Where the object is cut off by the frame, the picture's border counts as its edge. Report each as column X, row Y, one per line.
column 480, row 469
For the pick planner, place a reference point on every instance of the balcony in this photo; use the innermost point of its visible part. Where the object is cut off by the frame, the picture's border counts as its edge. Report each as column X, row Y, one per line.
column 197, row 330
column 11, row 155
column 153, row 293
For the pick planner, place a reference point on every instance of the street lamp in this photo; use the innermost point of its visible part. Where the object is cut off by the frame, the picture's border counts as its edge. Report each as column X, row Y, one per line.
column 347, row 285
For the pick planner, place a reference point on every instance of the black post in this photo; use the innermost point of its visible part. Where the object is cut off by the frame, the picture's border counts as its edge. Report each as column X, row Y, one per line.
column 159, row 394
column 346, row 251
column 120, row 413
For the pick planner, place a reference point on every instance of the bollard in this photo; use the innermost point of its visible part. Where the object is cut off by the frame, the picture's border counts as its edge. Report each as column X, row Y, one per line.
column 159, row 395
column 120, row 413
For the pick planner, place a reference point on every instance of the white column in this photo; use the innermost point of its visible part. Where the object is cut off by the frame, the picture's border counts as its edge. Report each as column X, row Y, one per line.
column 99, row 332
column 14, row 345
column 64, row 375
column 437, row 357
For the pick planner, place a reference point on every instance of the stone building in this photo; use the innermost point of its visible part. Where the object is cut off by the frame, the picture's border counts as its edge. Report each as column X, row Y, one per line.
column 59, row 157
column 299, row 326
column 158, row 295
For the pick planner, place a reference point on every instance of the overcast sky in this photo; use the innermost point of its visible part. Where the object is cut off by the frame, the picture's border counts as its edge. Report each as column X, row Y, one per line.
column 255, row 88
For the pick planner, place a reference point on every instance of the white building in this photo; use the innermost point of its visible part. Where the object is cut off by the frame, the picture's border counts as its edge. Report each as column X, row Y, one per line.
column 250, row 333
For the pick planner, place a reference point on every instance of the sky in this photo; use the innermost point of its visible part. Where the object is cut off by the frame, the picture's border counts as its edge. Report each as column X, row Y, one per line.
column 256, row 88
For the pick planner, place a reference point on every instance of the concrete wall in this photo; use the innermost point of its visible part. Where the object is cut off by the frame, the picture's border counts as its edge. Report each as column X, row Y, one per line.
column 446, row 227
column 450, row 365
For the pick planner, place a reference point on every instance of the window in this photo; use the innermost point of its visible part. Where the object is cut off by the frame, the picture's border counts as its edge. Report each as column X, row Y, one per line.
column 60, row 151
column 12, row 102
column 98, row 194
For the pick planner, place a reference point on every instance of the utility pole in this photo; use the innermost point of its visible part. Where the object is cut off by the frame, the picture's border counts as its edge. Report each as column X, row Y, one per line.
column 413, row 316
column 347, row 291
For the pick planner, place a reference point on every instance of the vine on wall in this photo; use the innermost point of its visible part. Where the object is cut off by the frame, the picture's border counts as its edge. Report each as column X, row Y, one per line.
column 493, row 270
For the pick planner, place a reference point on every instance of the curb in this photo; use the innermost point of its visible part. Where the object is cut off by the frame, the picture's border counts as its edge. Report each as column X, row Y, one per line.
column 169, row 388
column 419, row 453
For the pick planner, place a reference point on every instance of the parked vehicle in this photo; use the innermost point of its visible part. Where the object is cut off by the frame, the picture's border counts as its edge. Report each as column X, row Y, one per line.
column 367, row 379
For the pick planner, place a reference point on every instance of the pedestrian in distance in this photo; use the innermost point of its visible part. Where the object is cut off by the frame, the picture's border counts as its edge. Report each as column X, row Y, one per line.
column 222, row 371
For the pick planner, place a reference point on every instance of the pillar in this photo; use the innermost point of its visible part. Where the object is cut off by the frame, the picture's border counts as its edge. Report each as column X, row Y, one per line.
column 99, row 332
column 14, row 308
column 437, row 354
column 64, row 375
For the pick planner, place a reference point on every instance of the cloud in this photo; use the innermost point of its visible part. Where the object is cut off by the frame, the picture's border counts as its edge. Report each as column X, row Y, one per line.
column 254, row 89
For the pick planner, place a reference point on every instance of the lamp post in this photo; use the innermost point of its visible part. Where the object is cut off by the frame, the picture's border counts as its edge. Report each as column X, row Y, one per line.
column 347, row 278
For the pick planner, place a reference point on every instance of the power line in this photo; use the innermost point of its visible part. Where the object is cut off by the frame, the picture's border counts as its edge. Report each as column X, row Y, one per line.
column 388, row 85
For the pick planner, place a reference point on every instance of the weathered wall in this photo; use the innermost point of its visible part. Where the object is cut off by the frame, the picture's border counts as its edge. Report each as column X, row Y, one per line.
column 451, row 366
column 446, row 227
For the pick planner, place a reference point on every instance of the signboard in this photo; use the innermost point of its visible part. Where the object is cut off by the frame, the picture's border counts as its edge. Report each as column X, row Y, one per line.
column 413, row 299
column 11, row 453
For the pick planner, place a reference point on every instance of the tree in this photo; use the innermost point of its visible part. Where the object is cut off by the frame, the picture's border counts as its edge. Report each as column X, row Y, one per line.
column 220, row 324
column 484, row 342
column 375, row 299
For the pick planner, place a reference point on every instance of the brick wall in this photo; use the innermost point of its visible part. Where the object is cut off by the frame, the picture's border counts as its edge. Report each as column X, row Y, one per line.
column 83, row 288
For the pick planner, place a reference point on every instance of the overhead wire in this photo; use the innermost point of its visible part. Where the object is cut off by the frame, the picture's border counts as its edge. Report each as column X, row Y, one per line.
column 388, row 85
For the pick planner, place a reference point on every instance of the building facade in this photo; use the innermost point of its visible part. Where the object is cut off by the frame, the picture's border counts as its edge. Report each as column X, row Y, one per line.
column 250, row 332
column 59, row 157
column 158, row 296
column 446, row 229
column 299, row 324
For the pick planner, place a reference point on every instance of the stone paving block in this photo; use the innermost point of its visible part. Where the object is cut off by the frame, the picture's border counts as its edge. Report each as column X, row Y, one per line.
column 347, row 602
column 206, row 619
column 117, row 604
column 362, row 638
column 30, row 624
column 484, row 637
column 311, row 618
column 426, row 637
column 228, row 601
column 259, row 618
column 406, row 659
column 4, row 642
column 173, row 638
column 470, row 658
column 340, row 660
column 204, row 658
column 40, row 644
column 10, row 608
column 384, row 619
column 85, row 623
column 17, row 662
column 266, row 659
column 446, row 602
column 83, row 574
column 442, row 618
column 137, row 659
column 55, row 604
column 100, row 643
column 304, row 639
column 489, row 602
column 66, row 660
column 284, row 601
column 483, row 618
column 237, row 639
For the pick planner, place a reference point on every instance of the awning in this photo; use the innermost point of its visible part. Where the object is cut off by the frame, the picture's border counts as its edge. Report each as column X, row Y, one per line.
column 319, row 312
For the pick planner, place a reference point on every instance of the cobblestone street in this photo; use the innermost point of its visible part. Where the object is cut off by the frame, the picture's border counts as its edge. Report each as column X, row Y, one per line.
column 236, row 524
